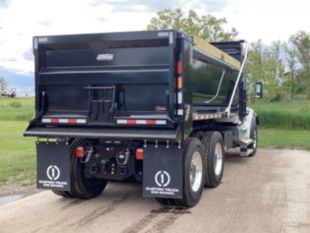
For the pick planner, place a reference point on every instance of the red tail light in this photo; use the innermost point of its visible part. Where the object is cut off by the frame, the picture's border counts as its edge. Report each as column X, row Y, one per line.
column 79, row 152
column 180, row 67
column 139, row 154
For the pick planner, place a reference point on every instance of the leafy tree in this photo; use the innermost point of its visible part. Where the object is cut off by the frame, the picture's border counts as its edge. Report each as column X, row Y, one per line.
column 3, row 84
column 291, row 79
column 301, row 41
column 207, row 27
column 264, row 65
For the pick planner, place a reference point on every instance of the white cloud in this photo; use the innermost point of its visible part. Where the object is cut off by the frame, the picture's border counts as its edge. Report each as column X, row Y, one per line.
column 266, row 19
column 20, row 20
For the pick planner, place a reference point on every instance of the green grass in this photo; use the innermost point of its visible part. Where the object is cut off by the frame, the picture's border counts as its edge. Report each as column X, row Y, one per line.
column 284, row 115
column 284, row 138
column 16, row 109
column 17, row 154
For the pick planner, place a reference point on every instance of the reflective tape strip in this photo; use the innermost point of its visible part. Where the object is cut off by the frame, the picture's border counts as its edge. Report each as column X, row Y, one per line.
column 64, row 120
column 197, row 117
column 122, row 122
column 140, row 122
column 180, row 98
column 161, row 122
column 46, row 120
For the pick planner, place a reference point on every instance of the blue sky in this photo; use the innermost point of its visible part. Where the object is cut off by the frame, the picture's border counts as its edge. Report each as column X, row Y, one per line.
column 20, row 20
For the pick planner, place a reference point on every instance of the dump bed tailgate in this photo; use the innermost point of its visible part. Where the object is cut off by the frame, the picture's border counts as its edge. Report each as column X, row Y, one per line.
column 105, row 79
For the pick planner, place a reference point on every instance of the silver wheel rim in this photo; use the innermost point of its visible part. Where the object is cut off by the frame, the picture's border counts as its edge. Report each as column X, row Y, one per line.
column 196, row 171
column 218, row 161
column 254, row 139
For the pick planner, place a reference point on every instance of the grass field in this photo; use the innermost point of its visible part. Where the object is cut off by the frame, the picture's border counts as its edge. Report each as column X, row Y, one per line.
column 17, row 154
column 283, row 125
column 16, row 109
column 297, row 139
column 284, row 115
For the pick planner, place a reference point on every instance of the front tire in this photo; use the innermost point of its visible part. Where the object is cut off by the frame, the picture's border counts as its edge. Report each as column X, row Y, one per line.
column 254, row 136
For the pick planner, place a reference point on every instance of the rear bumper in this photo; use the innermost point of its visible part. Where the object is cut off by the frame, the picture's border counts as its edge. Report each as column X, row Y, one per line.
column 111, row 133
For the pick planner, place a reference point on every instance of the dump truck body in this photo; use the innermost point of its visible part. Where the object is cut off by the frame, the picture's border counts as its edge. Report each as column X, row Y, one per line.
column 138, row 104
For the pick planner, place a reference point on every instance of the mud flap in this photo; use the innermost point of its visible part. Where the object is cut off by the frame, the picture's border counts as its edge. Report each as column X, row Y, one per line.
column 53, row 166
column 163, row 172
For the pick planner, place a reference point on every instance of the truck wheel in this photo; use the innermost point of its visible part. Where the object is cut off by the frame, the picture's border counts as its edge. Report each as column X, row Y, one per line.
column 193, row 170
column 253, row 135
column 193, row 179
column 214, row 158
column 81, row 186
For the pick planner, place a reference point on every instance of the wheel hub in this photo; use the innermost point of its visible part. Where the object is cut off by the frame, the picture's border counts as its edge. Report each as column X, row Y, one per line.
column 218, row 161
column 196, row 171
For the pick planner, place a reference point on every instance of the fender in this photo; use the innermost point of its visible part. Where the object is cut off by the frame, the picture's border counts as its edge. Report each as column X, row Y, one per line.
column 245, row 126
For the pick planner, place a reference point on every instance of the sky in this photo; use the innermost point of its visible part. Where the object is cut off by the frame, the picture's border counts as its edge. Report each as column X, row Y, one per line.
column 20, row 20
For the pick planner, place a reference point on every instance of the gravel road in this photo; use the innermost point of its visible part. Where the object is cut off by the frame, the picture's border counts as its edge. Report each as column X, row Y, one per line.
column 266, row 193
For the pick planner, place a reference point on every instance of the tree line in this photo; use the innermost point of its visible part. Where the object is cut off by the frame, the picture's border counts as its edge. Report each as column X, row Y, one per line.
column 283, row 66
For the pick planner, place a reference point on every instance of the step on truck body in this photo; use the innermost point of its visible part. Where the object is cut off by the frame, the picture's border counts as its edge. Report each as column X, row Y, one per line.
column 160, row 107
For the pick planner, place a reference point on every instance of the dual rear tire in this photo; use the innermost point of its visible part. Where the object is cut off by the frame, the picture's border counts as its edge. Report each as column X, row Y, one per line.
column 203, row 166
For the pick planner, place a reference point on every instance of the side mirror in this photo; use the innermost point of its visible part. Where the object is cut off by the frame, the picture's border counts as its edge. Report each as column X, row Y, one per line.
column 259, row 90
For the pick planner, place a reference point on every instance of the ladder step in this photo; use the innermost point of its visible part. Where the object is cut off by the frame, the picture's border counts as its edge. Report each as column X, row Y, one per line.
column 245, row 142
column 246, row 152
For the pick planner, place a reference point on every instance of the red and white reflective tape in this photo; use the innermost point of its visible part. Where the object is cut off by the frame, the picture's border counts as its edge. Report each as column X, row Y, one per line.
column 197, row 117
column 55, row 120
column 140, row 122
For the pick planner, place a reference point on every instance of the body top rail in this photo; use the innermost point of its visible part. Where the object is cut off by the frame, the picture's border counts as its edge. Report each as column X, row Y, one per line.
column 215, row 53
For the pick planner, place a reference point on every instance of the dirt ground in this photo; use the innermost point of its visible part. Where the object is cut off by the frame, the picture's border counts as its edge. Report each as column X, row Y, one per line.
column 267, row 193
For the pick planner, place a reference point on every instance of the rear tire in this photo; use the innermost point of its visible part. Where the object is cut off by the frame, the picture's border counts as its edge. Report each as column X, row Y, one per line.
column 193, row 170
column 65, row 194
column 193, row 178
column 81, row 186
column 214, row 157
column 166, row 201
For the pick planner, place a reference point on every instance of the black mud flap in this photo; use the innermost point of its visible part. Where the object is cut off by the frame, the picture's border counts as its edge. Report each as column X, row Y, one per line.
column 53, row 166
column 163, row 172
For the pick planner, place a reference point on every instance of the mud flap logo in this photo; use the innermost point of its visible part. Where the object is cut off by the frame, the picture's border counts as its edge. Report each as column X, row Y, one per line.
column 162, row 178
column 53, row 172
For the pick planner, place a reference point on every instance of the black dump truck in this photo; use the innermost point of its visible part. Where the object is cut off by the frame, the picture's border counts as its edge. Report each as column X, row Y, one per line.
column 159, row 107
